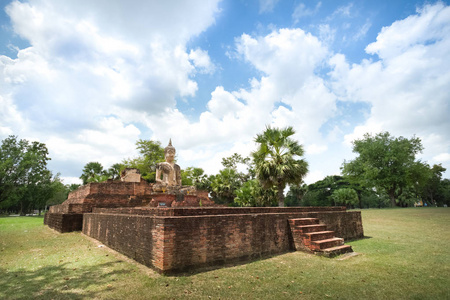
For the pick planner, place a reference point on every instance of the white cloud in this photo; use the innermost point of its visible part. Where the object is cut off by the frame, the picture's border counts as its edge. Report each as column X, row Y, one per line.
column 316, row 149
column 344, row 11
column 290, row 93
column 202, row 60
column 95, row 67
column 429, row 25
column 361, row 33
column 409, row 87
column 440, row 158
column 301, row 11
column 100, row 74
column 267, row 5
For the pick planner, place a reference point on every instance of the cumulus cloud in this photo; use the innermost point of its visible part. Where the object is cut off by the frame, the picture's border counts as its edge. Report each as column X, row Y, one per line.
column 202, row 60
column 290, row 92
column 100, row 74
column 95, row 67
column 408, row 87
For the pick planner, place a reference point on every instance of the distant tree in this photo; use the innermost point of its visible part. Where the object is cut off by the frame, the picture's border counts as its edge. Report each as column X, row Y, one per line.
column 251, row 193
column 91, row 172
column 319, row 193
column 59, row 192
column 432, row 189
column 23, row 174
column 114, row 171
column 295, row 194
column 192, row 176
column 345, row 197
column 224, row 186
column 277, row 161
column 72, row 187
column 235, row 161
column 444, row 192
column 384, row 162
column 151, row 153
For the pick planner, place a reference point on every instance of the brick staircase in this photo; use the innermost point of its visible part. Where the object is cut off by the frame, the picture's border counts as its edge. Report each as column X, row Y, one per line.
column 311, row 236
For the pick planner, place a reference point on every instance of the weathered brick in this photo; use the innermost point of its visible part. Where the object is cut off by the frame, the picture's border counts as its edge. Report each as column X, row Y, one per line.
column 176, row 239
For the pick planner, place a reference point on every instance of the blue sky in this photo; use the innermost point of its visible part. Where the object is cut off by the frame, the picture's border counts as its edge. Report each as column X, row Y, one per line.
column 89, row 78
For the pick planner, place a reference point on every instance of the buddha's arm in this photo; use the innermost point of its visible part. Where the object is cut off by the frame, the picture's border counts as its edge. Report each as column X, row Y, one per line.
column 158, row 174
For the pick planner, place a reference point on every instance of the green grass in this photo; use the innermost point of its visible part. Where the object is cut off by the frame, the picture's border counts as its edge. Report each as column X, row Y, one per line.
column 406, row 257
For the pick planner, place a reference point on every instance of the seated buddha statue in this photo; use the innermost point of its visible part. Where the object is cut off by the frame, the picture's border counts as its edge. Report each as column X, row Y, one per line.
column 168, row 173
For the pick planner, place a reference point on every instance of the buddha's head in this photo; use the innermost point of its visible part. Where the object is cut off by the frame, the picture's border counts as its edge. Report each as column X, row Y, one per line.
column 169, row 152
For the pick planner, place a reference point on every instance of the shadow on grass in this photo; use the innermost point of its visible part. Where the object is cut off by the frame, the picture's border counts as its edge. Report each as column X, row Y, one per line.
column 359, row 239
column 58, row 282
column 212, row 266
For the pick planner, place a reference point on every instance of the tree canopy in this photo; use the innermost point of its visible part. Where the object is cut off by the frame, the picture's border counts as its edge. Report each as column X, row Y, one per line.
column 384, row 162
column 25, row 181
column 93, row 172
column 151, row 153
column 277, row 161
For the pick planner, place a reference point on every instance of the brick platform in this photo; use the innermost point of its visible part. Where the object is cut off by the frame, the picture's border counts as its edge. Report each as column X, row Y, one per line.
column 169, row 234
column 114, row 194
column 63, row 222
column 176, row 239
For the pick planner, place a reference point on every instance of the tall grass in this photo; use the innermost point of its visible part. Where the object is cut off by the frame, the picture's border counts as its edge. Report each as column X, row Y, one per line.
column 406, row 255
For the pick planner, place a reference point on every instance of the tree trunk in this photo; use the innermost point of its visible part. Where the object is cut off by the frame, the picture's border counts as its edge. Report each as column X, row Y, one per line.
column 280, row 195
column 392, row 197
column 21, row 213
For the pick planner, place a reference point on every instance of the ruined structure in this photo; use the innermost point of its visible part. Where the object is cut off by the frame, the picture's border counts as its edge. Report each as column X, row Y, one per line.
column 171, row 228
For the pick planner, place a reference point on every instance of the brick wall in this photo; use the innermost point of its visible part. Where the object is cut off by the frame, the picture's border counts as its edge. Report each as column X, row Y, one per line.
column 199, row 211
column 63, row 222
column 174, row 243
column 133, row 235
column 111, row 188
column 346, row 225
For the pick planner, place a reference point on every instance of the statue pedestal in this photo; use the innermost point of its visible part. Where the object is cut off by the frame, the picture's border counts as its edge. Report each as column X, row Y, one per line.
column 183, row 197
column 162, row 200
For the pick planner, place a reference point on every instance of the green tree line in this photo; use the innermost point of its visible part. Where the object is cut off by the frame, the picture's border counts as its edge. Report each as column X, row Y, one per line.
column 384, row 173
column 25, row 182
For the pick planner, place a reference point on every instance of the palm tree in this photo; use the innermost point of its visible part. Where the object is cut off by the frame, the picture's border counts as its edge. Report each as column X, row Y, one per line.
column 91, row 170
column 276, row 160
column 114, row 171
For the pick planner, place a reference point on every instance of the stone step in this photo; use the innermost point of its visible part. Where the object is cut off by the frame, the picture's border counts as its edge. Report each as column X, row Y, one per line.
column 334, row 251
column 310, row 228
column 319, row 235
column 303, row 221
column 327, row 243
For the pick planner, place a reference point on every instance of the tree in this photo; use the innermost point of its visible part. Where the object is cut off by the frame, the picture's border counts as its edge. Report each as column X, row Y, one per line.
column 252, row 194
column 59, row 191
column 295, row 194
column 114, row 171
column 345, row 196
column 235, row 161
column 23, row 174
column 444, row 193
column 192, row 176
column 92, row 171
column 224, row 186
column 276, row 162
column 432, row 189
column 384, row 162
column 151, row 153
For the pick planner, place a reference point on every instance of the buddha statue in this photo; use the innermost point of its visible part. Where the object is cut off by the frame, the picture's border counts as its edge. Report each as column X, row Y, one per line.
column 168, row 173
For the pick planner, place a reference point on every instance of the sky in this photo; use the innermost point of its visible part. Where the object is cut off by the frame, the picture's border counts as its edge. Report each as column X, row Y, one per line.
column 90, row 78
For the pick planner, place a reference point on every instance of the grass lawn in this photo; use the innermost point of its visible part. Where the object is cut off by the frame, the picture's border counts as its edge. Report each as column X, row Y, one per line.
column 406, row 256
